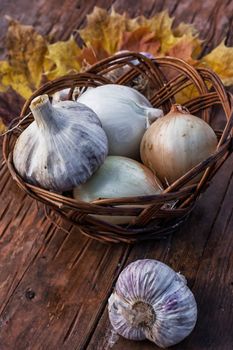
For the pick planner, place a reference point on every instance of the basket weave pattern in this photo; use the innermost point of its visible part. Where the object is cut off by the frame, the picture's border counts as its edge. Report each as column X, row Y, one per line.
column 161, row 214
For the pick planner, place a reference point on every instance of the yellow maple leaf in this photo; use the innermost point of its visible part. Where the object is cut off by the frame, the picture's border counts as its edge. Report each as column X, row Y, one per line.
column 104, row 29
column 16, row 78
column 187, row 33
column 161, row 25
column 155, row 35
column 26, row 49
column 2, row 127
column 62, row 58
column 31, row 57
column 221, row 61
column 186, row 94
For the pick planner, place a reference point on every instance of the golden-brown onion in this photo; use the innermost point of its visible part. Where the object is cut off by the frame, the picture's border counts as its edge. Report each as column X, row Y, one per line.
column 175, row 143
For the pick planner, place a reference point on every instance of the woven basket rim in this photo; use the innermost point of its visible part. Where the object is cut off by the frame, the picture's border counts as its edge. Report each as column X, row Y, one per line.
column 152, row 69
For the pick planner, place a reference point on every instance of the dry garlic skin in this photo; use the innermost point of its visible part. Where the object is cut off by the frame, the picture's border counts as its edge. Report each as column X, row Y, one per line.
column 118, row 177
column 62, row 148
column 152, row 301
column 125, row 115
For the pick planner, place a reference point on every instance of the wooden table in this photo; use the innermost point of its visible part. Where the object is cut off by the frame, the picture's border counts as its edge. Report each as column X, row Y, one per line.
column 54, row 286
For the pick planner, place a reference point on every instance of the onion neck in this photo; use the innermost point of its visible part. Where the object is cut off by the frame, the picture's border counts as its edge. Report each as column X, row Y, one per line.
column 176, row 108
column 43, row 112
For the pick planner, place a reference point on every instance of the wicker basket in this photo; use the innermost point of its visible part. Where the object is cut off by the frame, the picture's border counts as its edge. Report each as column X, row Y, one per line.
column 161, row 79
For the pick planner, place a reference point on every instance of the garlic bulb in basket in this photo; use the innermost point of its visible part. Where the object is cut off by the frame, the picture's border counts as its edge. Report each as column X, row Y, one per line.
column 176, row 143
column 62, row 148
column 61, row 95
column 151, row 301
column 125, row 115
column 118, row 177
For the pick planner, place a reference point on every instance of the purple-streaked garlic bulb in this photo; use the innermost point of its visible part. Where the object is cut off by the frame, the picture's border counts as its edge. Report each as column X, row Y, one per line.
column 152, row 301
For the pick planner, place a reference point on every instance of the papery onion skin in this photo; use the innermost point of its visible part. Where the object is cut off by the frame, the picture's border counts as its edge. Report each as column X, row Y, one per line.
column 175, row 143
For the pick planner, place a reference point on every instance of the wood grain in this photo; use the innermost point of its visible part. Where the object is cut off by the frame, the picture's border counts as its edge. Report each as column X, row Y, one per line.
column 185, row 252
column 54, row 285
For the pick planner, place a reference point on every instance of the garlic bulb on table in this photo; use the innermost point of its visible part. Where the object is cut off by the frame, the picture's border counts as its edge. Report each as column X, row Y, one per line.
column 152, row 301
column 125, row 115
column 118, row 177
column 177, row 142
column 63, row 147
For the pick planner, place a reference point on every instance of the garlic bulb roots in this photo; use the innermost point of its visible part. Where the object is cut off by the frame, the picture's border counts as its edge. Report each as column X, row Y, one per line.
column 152, row 301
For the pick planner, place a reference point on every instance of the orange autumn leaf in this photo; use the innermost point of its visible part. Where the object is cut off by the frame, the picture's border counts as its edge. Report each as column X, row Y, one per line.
column 113, row 32
column 90, row 56
column 30, row 56
column 183, row 50
column 140, row 40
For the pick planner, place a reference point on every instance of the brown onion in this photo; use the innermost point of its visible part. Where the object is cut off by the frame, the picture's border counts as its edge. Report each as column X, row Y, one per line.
column 175, row 143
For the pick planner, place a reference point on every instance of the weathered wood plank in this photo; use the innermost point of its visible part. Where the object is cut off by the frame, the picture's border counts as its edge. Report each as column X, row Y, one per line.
column 61, row 295
column 49, row 279
column 185, row 252
column 54, row 285
column 213, row 285
column 56, row 18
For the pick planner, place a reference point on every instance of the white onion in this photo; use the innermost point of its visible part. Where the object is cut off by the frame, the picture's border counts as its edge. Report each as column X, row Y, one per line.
column 175, row 143
column 118, row 177
column 125, row 115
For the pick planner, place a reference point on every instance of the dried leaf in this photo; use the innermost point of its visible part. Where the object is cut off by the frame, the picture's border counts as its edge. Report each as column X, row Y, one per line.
column 186, row 94
column 87, row 57
column 62, row 58
column 141, row 40
column 104, row 29
column 2, row 126
column 90, row 56
column 221, row 61
column 26, row 49
column 155, row 35
column 14, row 78
column 189, row 34
column 184, row 50
column 31, row 57
column 161, row 25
